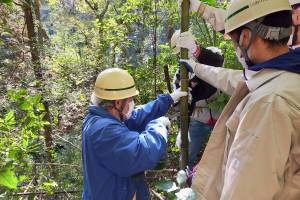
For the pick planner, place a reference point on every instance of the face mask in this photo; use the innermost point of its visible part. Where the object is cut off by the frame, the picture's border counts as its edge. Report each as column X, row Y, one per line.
column 246, row 63
column 130, row 109
column 240, row 57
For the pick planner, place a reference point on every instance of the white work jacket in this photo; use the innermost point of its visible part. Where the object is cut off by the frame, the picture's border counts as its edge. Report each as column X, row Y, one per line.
column 254, row 150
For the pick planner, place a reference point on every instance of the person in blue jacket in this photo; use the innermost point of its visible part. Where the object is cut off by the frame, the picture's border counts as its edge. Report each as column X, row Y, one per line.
column 120, row 143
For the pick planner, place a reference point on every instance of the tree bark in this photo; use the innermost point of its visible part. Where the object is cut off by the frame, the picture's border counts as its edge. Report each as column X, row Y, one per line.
column 184, row 117
column 167, row 78
column 36, row 63
column 154, row 44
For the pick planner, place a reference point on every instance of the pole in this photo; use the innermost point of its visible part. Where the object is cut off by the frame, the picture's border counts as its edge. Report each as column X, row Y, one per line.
column 184, row 116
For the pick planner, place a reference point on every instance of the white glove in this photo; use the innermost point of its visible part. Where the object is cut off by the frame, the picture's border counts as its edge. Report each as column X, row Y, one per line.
column 215, row 17
column 181, row 177
column 165, row 121
column 178, row 139
column 177, row 94
column 186, row 194
column 187, row 40
column 194, row 5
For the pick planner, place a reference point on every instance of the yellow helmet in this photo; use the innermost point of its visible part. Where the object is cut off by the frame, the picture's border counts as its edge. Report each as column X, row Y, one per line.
column 241, row 12
column 114, row 84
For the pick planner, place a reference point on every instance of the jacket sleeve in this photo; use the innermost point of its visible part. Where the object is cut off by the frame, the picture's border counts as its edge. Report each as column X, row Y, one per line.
column 259, row 152
column 221, row 78
column 152, row 110
column 126, row 152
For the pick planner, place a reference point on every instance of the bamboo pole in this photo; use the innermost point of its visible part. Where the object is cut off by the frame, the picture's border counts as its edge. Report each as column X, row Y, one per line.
column 184, row 117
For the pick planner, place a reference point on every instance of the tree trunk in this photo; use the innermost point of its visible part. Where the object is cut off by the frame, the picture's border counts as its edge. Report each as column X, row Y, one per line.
column 184, row 116
column 167, row 78
column 154, row 44
column 36, row 63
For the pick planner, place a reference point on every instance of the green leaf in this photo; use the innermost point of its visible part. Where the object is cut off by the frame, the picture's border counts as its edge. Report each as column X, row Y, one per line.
column 26, row 106
column 20, row 93
column 166, row 186
column 37, row 99
column 8, row 2
column 8, row 179
column 10, row 118
column 40, row 106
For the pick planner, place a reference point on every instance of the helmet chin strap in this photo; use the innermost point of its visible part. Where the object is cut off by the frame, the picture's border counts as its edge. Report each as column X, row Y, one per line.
column 120, row 111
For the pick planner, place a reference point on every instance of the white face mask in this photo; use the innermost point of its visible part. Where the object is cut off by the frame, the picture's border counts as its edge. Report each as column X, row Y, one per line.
column 240, row 57
column 239, row 53
column 130, row 109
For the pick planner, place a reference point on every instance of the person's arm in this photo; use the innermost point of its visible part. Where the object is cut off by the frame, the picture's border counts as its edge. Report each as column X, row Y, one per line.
column 125, row 152
column 152, row 110
column 221, row 78
column 259, row 152
column 214, row 16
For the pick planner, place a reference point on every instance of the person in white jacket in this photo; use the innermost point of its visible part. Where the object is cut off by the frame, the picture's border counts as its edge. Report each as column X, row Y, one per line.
column 254, row 149
column 216, row 18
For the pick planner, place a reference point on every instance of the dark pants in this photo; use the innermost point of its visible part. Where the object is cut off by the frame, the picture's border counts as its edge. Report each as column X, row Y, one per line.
column 199, row 133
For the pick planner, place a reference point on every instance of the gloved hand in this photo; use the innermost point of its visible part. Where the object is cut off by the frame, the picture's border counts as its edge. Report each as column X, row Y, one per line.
column 187, row 40
column 186, row 194
column 182, row 177
column 166, row 122
column 177, row 94
column 190, row 64
column 212, row 15
column 178, row 139
column 194, row 5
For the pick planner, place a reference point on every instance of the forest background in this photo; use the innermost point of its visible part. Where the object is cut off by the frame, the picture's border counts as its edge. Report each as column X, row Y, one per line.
column 51, row 52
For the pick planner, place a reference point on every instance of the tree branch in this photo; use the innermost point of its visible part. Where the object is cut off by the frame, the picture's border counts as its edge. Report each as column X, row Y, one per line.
column 157, row 195
column 63, row 139
column 101, row 16
column 91, row 6
column 47, row 193
column 56, row 164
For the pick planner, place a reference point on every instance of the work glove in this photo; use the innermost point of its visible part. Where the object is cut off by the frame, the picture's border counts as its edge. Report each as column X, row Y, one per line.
column 177, row 94
column 214, row 16
column 190, row 64
column 187, row 40
column 186, row 194
column 166, row 122
column 178, row 139
column 182, row 177
column 194, row 5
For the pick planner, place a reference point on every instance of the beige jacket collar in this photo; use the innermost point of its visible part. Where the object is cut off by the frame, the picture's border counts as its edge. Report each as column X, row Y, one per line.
column 261, row 77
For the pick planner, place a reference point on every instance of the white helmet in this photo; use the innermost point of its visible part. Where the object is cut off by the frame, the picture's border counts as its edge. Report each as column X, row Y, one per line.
column 175, row 36
column 294, row 2
column 241, row 12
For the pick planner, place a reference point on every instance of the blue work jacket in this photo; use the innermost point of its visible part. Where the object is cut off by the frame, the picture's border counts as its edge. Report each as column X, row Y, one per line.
column 115, row 154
